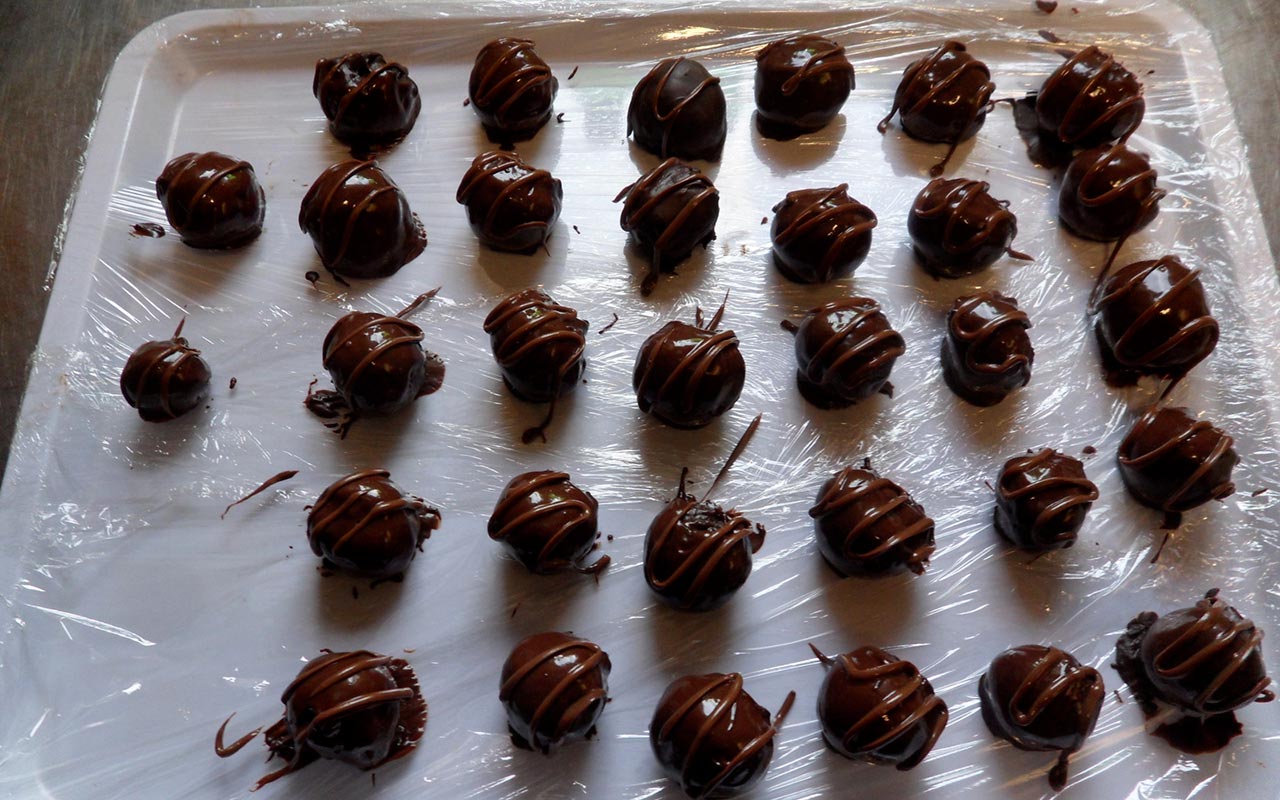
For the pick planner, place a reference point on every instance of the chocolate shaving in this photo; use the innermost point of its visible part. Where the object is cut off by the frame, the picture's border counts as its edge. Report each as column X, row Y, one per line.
column 1047, row 6
column 560, row 118
column 148, row 229
column 1050, row 36
column 313, row 277
column 571, row 74
column 279, row 477
column 615, row 322
column 466, row 101
column 232, row 385
column 575, row 230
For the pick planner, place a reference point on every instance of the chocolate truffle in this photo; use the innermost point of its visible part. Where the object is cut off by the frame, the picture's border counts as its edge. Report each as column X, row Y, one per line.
column 368, row 101
column 1041, row 698
column 212, row 200
column 986, row 353
column 1153, row 319
column 165, row 380
column 359, row 708
column 845, row 350
column 1042, row 499
column 801, row 83
column 820, row 234
column 1174, row 463
column 1109, row 193
column 868, row 525
column 668, row 212
column 1090, row 100
column 943, row 97
column 877, row 707
column 687, row 375
column 712, row 737
column 957, row 228
column 538, row 344
column 360, row 222
column 512, row 90
column 677, row 109
column 547, row 523
column 554, row 688
column 510, row 205
column 1202, row 664
column 364, row 524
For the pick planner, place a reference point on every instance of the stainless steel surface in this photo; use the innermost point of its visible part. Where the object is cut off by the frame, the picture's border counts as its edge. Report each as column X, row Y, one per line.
column 55, row 55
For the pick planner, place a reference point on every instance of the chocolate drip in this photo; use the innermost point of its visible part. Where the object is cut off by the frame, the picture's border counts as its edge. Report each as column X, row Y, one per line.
column 688, row 375
column 1174, row 463
column 554, row 687
column 845, row 350
column 869, row 525
column 548, row 523
column 986, row 353
column 957, row 228
column 279, row 477
column 511, row 89
column 165, row 379
column 1042, row 499
column 1091, row 99
column 820, row 234
column 678, row 109
column 669, row 211
column 212, row 200
column 511, row 206
column 364, row 524
column 795, row 96
column 369, row 101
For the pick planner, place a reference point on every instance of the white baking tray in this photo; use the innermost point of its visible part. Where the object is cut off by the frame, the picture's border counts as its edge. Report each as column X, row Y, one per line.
column 137, row 621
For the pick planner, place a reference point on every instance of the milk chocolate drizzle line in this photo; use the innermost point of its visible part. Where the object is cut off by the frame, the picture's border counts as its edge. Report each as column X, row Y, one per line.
column 818, row 215
column 965, row 193
column 353, row 216
column 724, row 707
column 636, row 208
column 1140, row 461
column 159, row 359
column 572, row 510
column 593, row 660
column 914, row 72
column 821, row 61
column 1163, row 305
column 530, row 76
column 1086, row 492
column 1110, row 191
column 490, row 164
column 194, row 162
column 669, row 117
column 866, row 309
column 841, row 495
column 1237, row 640
column 1098, row 75
column 694, row 366
column 383, row 508
column 976, row 338
column 362, row 86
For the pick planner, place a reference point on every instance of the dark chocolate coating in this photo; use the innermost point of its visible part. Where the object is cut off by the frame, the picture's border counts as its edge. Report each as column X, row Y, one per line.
column 364, row 524
column 368, row 100
column 512, row 90
column 1173, row 462
column 712, row 737
column 868, row 525
column 677, row 109
column 538, row 343
column 1108, row 193
column 986, row 353
column 801, row 83
column 820, row 234
column 669, row 211
column 1042, row 499
column 511, row 206
column 378, row 364
column 686, row 375
column 1153, row 319
column 957, row 228
column 877, row 707
column 845, row 351
column 1090, row 100
column 212, row 200
column 546, row 522
column 360, row 222
column 1041, row 698
column 554, row 688
column 165, row 380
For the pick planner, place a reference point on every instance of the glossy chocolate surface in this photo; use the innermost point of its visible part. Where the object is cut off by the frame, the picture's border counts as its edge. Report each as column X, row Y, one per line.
column 554, row 688
column 688, row 375
column 677, row 109
column 801, row 83
column 986, row 353
column 1173, row 462
column 1109, row 193
column 378, row 364
column 359, row 221
column 364, row 524
column 512, row 90
column 820, row 234
column 957, row 228
column 868, row 525
column 671, row 210
column 165, row 379
column 511, row 206
column 369, row 101
column 845, row 350
column 212, row 200
column 1042, row 499
column 1090, row 100
column 548, row 523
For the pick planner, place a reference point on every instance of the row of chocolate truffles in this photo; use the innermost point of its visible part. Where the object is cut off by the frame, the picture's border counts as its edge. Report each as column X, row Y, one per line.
column 1190, row 670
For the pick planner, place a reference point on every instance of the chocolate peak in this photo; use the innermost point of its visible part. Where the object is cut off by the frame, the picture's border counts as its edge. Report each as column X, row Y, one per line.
column 688, row 375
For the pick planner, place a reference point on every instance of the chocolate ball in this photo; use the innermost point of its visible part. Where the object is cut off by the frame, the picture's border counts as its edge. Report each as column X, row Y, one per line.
column 1042, row 499
column 1153, row 319
column 820, row 234
column 360, row 708
column 1174, row 463
column 1090, row 100
column 165, row 380
column 547, row 523
column 943, row 97
column 360, row 222
column 511, row 90
column 378, row 364
column 801, row 83
column 712, row 737
column 1041, row 698
column 986, row 353
column 212, row 200
column 364, row 524
column 687, row 375
column 845, row 351
column 877, row 707
column 510, row 205
column 668, row 212
column 554, row 688
column 957, row 228
column 677, row 109
column 368, row 100
column 1109, row 193
column 868, row 525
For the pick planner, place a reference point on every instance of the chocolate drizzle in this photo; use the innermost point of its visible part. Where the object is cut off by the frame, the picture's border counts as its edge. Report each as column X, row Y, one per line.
column 801, row 82
column 369, row 101
column 669, row 211
column 511, row 206
column 364, row 524
column 512, row 90
column 820, row 234
column 688, row 375
column 165, row 379
column 957, row 228
column 1172, row 462
column 212, row 200
column 1041, row 500
column 678, row 109
column 986, row 354
column 869, row 525
column 548, row 523
column 845, row 350
column 1090, row 99
column 554, row 687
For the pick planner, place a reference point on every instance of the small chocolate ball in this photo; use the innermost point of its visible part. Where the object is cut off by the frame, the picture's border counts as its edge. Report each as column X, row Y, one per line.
column 957, row 228
column 512, row 90
column 554, row 688
column 668, row 212
column 369, row 101
column 212, row 200
column 677, row 109
column 986, row 353
column 1042, row 499
column 378, row 364
column 1109, row 193
column 687, row 375
column 868, row 525
column 165, row 380
column 547, row 523
column 845, row 351
column 801, row 84
column 1173, row 462
column 364, row 524
column 1090, row 100
column 820, row 234
column 511, row 206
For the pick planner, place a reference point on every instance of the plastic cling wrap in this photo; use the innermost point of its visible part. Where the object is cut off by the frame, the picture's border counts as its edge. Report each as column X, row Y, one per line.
column 135, row 620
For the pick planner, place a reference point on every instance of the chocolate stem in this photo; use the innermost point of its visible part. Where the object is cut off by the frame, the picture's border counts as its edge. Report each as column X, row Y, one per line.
column 825, row 659
column 789, row 326
column 1018, row 254
column 786, row 708
column 267, row 484
column 715, row 320
column 417, row 302
column 224, row 751
column 178, row 330
column 733, row 456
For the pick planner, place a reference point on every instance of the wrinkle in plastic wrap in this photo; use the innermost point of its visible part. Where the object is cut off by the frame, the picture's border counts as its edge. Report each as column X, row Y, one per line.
column 136, row 620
